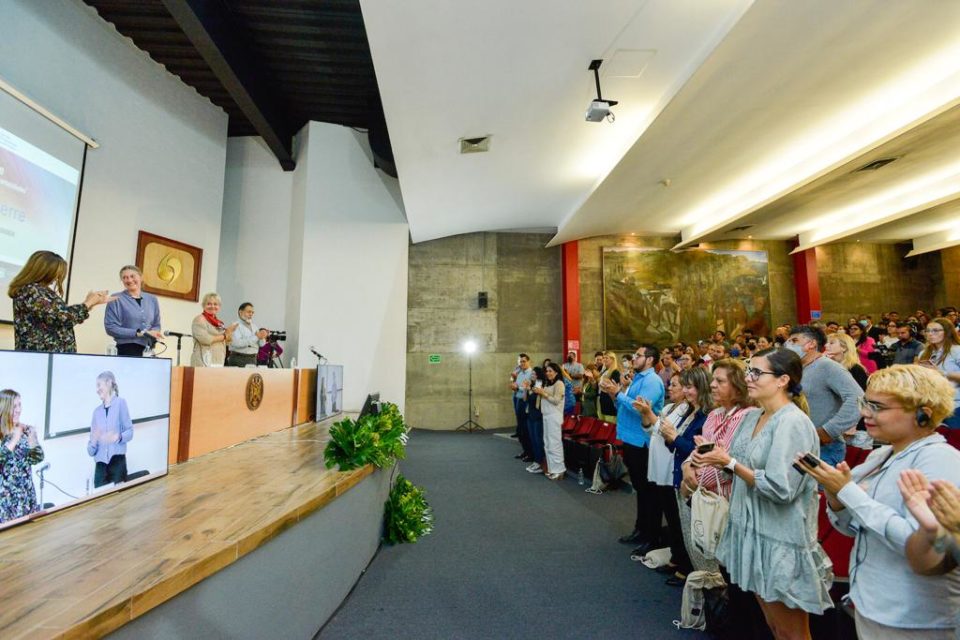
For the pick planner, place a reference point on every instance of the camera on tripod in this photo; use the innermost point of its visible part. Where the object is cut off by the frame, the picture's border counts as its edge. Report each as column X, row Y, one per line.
column 276, row 336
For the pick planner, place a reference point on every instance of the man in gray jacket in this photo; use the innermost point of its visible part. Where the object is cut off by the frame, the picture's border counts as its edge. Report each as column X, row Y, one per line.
column 831, row 391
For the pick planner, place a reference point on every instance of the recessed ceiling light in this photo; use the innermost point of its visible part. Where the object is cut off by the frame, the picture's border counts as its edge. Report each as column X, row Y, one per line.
column 750, row 237
column 480, row 144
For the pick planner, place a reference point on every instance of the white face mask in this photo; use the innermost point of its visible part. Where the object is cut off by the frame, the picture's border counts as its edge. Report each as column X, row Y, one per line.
column 796, row 348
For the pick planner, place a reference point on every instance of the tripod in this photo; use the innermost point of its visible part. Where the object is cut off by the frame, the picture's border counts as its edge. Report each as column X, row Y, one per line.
column 470, row 425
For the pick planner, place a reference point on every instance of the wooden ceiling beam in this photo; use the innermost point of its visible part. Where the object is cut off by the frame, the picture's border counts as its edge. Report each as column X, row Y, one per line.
column 209, row 27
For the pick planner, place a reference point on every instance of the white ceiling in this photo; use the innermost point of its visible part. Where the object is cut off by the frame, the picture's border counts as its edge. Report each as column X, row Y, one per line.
column 754, row 112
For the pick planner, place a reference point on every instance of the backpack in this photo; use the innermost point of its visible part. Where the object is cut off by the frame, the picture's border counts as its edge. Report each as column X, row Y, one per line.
column 693, row 605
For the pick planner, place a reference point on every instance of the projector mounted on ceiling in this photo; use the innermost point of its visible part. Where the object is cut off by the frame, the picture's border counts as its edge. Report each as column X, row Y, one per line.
column 599, row 108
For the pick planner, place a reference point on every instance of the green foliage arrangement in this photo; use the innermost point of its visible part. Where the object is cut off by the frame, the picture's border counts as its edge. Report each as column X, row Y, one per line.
column 375, row 439
column 407, row 514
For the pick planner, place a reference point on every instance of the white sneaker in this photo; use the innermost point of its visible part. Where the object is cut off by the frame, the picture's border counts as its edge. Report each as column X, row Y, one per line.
column 535, row 468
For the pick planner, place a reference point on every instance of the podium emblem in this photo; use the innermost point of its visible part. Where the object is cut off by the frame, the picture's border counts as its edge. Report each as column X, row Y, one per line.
column 254, row 391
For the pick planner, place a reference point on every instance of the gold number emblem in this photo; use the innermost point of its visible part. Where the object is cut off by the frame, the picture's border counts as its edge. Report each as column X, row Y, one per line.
column 254, row 391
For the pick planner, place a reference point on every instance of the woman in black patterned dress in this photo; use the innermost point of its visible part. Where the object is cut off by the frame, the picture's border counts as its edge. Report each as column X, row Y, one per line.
column 42, row 321
column 19, row 450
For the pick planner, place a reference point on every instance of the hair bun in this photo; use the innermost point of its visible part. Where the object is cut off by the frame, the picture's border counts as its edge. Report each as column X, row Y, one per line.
column 797, row 389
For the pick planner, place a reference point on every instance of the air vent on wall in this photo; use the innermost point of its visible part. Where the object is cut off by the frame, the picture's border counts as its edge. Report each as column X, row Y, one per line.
column 877, row 164
column 475, row 145
column 741, row 228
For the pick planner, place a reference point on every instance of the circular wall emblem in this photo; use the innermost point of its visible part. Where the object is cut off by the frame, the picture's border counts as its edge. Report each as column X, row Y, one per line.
column 254, row 391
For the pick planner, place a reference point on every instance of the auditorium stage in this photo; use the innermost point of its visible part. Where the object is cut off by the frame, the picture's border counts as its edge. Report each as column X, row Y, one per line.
column 258, row 540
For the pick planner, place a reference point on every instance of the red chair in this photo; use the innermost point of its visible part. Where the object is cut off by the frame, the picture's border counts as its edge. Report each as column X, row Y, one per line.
column 952, row 435
column 836, row 545
column 569, row 425
column 855, row 456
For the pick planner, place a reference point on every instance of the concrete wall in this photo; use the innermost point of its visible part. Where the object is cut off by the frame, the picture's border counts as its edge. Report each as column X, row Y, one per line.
column 860, row 278
column 948, row 293
column 522, row 280
column 160, row 165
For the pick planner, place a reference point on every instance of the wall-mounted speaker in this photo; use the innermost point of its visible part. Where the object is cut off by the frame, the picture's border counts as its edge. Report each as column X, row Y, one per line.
column 482, row 300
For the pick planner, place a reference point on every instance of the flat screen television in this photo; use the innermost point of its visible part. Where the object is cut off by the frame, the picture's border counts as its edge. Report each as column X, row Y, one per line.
column 93, row 425
column 329, row 390
column 371, row 406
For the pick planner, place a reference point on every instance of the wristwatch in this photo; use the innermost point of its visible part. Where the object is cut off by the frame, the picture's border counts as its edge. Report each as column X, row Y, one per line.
column 730, row 466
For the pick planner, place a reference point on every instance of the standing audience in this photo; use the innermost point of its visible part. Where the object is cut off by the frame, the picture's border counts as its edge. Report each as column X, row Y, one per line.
column 943, row 354
column 609, row 374
column 552, row 392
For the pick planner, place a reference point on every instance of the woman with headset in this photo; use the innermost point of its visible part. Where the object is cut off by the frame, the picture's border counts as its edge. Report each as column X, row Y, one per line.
column 903, row 405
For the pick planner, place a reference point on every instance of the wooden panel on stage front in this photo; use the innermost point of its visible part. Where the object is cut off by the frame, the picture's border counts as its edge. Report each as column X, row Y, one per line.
column 85, row 571
column 176, row 393
column 220, row 417
column 306, row 396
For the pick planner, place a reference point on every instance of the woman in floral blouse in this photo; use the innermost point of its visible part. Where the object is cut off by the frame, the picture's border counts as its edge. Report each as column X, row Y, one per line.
column 42, row 321
column 19, row 450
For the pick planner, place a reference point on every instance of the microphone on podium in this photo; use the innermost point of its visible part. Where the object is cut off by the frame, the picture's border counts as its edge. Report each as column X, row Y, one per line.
column 176, row 334
column 43, row 467
column 319, row 355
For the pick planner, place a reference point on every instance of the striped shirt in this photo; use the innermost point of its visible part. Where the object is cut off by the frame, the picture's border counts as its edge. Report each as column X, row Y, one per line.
column 720, row 427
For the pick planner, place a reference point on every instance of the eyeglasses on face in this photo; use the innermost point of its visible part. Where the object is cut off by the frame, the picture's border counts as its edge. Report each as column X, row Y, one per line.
column 934, row 330
column 752, row 373
column 871, row 407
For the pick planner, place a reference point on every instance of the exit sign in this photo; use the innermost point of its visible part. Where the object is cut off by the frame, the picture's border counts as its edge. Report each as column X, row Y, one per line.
column 433, row 358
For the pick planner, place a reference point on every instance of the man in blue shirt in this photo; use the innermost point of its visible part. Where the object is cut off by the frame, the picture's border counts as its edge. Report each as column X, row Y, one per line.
column 646, row 384
column 522, row 380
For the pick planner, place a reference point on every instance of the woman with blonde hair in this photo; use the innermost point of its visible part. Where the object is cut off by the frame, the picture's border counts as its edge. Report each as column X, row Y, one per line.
column 19, row 450
column 42, row 321
column 903, row 405
column 210, row 335
column 110, row 431
column 606, row 408
column 769, row 546
column 942, row 353
column 841, row 348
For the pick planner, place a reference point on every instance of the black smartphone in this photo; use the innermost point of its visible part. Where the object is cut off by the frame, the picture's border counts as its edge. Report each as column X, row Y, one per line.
column 796, row 465
column 706, row 447
column 810, row 460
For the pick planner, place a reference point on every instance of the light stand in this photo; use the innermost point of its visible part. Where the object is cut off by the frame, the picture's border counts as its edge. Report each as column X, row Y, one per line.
column 470, row 425
column 179, row 338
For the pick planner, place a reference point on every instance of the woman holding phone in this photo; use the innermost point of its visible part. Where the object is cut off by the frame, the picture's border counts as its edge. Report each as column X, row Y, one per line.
column 769, row 546
column 110, row 431
column 903, row 405
column 19, row 451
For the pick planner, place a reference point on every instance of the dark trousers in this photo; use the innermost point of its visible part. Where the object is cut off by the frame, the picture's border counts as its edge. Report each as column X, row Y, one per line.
column 130, row 349
column 535, row 430
column 241, row 359
column 649, row 515
column 110, row 472
column 667, row 498
column 520, row 408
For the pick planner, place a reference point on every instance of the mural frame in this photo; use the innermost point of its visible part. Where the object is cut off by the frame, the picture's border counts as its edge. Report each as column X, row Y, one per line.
column 146, row 239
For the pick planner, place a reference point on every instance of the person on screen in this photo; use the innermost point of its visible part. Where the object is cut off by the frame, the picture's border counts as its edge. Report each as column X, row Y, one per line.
column 133, row 318
column 247, row 339
column 42, row 321
column 210, row 335
column 19, row 450
column 110, row 431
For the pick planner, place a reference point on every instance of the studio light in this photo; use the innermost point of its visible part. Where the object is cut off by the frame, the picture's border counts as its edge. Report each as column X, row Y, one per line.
column 469, row 347
column 470, row 425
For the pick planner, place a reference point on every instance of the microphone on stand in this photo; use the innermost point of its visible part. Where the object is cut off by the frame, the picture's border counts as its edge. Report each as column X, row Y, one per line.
column 43, row 467
column 176, row 334
column 320, row 356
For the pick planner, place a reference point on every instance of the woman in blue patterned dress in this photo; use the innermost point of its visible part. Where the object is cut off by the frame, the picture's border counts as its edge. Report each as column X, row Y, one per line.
column 42, row 321
column 19, row 450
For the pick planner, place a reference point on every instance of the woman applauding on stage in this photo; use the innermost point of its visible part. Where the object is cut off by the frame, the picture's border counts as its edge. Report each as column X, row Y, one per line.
column 210, row 335
column 110, row 431
column 19, row 450
column 42, row 321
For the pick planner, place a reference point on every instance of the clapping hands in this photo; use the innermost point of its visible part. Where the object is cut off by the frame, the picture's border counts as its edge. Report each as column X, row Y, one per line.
column 933, row 504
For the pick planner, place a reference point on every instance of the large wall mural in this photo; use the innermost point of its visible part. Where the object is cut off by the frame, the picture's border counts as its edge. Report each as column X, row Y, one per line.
column 660, row 296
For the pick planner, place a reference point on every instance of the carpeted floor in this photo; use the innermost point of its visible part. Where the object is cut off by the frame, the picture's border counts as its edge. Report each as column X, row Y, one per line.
column 513, row 555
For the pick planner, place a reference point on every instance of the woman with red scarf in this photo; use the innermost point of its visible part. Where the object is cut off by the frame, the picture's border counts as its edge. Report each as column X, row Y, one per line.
column 210, row 335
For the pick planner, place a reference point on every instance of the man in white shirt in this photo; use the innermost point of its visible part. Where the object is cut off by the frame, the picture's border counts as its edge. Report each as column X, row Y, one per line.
column 247, row 339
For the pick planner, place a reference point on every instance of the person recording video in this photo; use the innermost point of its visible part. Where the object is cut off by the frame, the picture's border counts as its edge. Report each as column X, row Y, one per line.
column 269, row 353
column 247, row 339
column 110, row 431
column 133, row 318
column 19, row 450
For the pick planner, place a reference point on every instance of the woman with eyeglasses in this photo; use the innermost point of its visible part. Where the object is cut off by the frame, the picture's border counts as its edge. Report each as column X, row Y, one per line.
column 866, row 347
column 943, row 354
column 769, row 546
column 903, row 405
